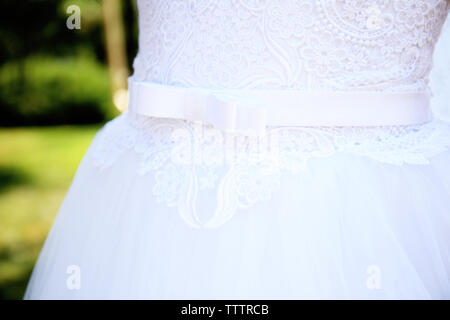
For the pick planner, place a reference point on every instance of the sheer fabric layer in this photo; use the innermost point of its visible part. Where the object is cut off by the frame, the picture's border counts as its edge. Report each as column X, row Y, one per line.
column 188, row 159
column 347, row 226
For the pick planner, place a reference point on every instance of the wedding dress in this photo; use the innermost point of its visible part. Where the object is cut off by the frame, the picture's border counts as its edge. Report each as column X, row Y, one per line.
column 273, row 149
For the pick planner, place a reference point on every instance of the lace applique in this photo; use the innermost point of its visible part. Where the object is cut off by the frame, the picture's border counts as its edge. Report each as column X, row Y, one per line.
column 186, row 158
column 311, row 45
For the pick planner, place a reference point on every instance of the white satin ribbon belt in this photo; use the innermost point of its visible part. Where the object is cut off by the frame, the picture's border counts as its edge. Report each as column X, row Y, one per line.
column 251, row 111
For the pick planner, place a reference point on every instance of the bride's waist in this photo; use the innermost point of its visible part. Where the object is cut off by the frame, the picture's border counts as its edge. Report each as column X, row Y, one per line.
column 252, row 111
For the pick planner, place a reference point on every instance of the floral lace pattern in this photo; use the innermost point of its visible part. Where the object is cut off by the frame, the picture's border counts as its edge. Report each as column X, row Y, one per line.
column 382, row 45
column 186, row 157
column 308, row 45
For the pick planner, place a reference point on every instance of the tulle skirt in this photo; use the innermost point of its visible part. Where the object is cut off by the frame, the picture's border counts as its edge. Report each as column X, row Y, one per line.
column 345, row 227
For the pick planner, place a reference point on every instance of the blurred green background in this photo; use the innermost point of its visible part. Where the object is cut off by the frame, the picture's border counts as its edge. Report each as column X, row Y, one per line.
column 55, row 93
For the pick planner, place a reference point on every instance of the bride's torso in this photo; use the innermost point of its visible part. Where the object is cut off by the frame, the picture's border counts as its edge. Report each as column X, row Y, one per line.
column 308, row 45
column 323, row 45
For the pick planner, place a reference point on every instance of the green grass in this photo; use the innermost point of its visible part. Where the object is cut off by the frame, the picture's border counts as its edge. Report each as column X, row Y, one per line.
column 36, row 169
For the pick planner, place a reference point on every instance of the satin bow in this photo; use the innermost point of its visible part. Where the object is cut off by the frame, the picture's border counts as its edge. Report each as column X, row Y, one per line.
column 229, row 112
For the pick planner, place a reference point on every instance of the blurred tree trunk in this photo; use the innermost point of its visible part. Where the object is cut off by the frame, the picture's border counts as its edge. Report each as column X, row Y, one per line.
column 116, row 51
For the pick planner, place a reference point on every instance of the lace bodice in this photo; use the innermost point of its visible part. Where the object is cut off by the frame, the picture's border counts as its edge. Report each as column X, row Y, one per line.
column 311, row 45
column 306, row 45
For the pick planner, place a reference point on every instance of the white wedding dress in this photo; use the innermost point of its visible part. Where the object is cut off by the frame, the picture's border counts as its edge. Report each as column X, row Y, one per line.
column 171, row 204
